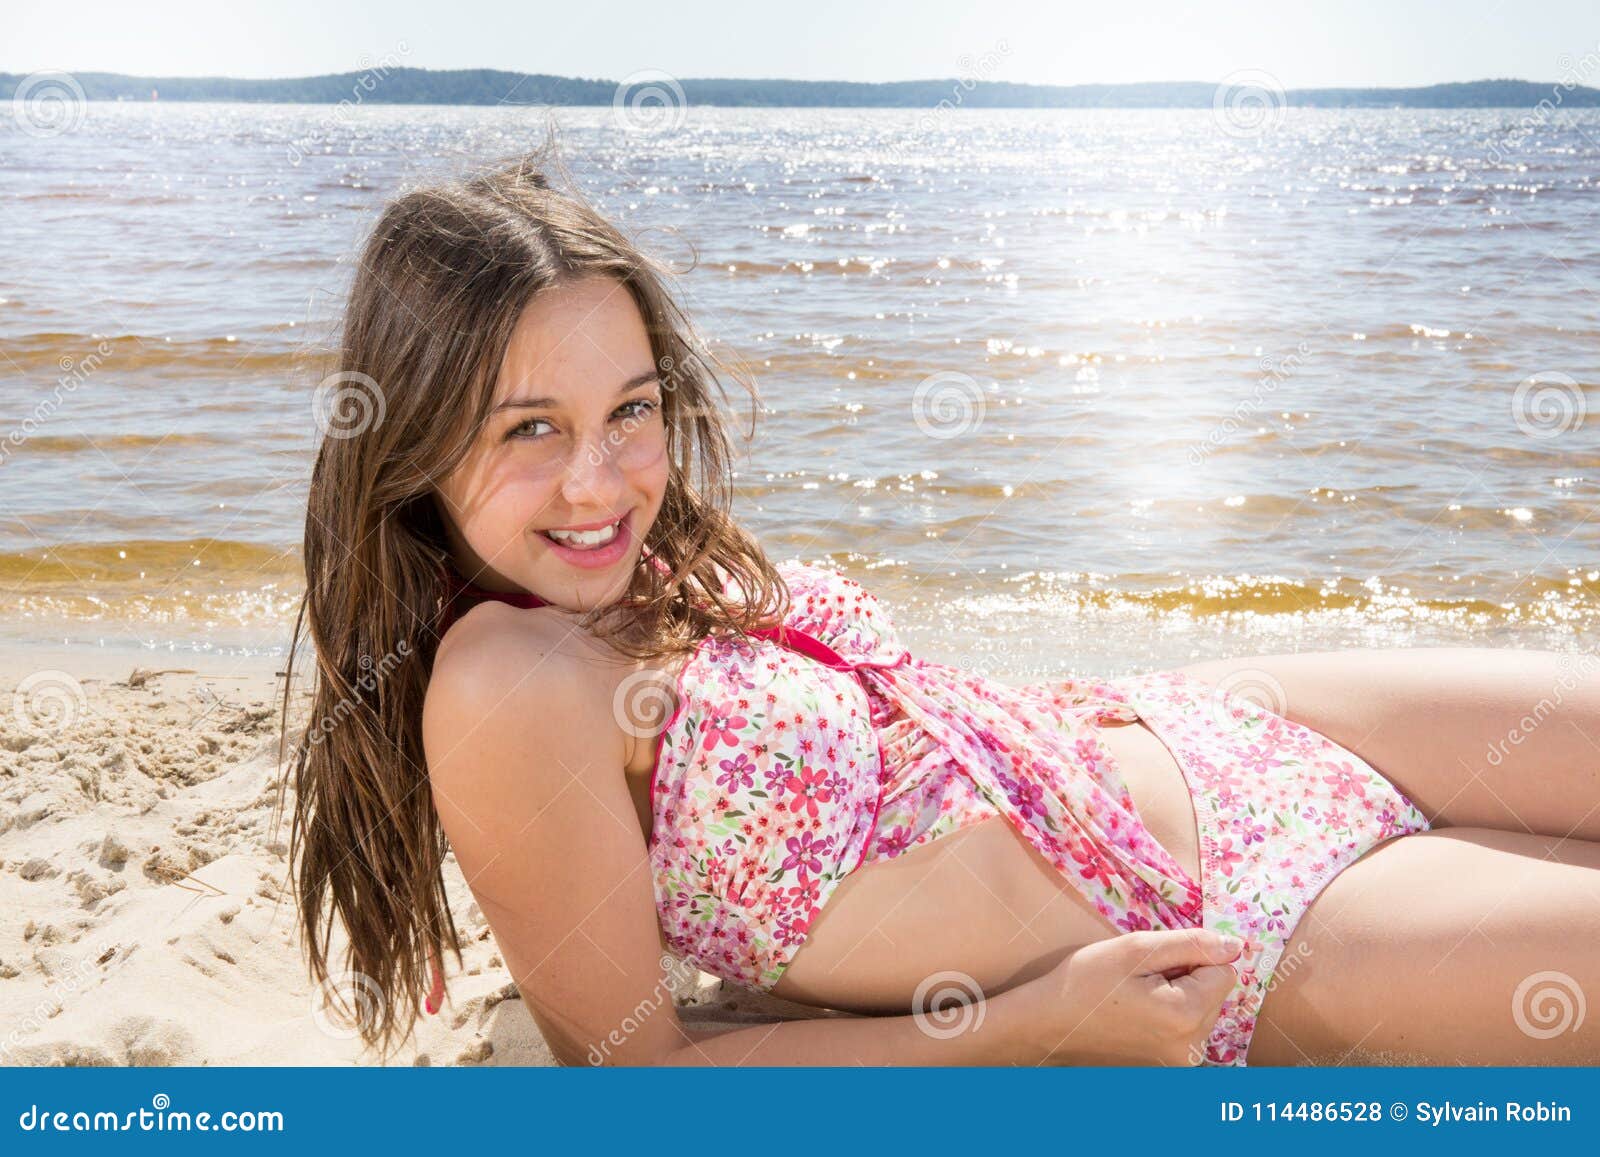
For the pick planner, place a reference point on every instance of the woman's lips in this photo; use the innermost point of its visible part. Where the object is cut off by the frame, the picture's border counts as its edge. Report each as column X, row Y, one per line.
column 594, row 557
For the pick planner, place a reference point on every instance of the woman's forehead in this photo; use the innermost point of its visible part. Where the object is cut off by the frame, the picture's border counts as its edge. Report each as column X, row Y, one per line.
column 574, row 341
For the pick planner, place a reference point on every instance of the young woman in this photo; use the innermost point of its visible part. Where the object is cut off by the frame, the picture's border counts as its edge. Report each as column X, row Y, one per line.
column 543, row 643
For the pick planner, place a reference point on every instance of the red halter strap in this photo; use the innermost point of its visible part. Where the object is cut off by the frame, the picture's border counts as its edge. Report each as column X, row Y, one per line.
column 457, row 589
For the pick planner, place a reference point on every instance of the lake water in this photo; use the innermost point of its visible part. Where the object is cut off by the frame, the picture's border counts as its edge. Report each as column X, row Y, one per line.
column 1070, row 390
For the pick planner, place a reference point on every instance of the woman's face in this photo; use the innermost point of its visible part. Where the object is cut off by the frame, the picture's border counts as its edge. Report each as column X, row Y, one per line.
column 568, row 474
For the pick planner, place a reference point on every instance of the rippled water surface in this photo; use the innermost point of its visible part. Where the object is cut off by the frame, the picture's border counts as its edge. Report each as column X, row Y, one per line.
column 1069, row 389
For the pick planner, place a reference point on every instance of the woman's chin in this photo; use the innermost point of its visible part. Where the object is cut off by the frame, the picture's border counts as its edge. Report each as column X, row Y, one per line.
column 582, row 593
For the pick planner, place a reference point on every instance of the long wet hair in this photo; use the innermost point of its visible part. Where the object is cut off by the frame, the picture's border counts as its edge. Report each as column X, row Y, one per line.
column 441, row 282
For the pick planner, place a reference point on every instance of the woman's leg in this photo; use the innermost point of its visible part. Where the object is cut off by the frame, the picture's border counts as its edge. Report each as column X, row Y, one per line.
column 1456, row 946
column 1476, row 737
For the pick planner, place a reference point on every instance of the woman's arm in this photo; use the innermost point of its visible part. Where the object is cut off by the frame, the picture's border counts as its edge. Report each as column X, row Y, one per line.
column 1144, row 998
column 999, row 1035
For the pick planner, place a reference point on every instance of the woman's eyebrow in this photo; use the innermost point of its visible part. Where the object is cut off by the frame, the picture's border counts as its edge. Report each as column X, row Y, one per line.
column 632, row 383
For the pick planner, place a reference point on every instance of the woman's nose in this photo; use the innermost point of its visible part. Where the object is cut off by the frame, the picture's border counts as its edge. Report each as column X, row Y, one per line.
column 593, row 477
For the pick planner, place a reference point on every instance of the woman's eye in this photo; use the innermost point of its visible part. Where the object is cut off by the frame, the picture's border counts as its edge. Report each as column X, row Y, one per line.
column 525, row 429
column 641, row 408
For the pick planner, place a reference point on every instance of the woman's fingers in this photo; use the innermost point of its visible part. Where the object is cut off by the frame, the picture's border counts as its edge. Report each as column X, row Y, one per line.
column 1176, row 952
column 1206, row 987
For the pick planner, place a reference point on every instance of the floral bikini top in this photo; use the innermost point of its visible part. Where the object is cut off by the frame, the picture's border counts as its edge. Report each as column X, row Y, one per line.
column 798, row 753
column 768, row 780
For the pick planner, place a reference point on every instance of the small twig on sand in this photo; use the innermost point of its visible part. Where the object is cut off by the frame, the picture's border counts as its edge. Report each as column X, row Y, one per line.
column 143, row 675
column 187, row 883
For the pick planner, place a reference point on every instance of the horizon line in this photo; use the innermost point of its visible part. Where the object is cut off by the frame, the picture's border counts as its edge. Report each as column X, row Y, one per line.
column 955, row 79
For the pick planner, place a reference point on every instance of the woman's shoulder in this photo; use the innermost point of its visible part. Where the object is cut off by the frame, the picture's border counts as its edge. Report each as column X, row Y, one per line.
column 531, row 664
column 493, row 639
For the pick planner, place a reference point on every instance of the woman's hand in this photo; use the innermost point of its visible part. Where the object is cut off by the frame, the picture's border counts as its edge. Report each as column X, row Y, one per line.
column 1143, row 998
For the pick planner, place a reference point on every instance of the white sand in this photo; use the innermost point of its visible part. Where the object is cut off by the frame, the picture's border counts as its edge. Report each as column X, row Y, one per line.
column 144, row 887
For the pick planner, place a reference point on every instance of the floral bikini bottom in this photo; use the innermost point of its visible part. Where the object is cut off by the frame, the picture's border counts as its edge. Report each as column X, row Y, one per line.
column 1280, row 810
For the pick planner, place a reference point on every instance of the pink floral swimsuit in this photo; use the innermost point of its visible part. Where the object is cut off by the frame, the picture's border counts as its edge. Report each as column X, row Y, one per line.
column 797, row 756
column 792, row 762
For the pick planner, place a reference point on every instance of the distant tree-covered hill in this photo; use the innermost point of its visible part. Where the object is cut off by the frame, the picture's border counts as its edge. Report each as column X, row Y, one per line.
column 482, row 86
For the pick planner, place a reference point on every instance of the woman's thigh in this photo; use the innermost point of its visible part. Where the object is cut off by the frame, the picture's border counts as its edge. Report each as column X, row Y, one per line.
column 1456, row 946
column 1476, row 737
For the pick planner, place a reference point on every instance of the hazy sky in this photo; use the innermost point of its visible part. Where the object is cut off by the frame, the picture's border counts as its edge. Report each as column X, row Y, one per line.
column 1348, row 42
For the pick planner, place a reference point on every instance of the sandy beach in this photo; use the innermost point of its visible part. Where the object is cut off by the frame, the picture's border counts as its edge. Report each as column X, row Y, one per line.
column 144, row 881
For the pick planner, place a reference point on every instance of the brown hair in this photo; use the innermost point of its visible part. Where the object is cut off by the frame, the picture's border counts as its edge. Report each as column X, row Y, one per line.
column 441, row 282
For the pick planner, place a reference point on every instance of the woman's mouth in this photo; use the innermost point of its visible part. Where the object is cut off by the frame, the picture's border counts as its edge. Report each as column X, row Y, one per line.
column 592, row 546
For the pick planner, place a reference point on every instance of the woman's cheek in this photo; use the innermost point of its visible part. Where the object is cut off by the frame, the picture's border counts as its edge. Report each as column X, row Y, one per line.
column 644, row 457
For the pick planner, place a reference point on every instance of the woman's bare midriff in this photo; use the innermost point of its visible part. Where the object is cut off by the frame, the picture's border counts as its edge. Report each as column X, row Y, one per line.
column 982, row 902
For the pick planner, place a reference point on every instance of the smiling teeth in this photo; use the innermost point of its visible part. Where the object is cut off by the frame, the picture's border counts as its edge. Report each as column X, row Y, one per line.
column 585, row 537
